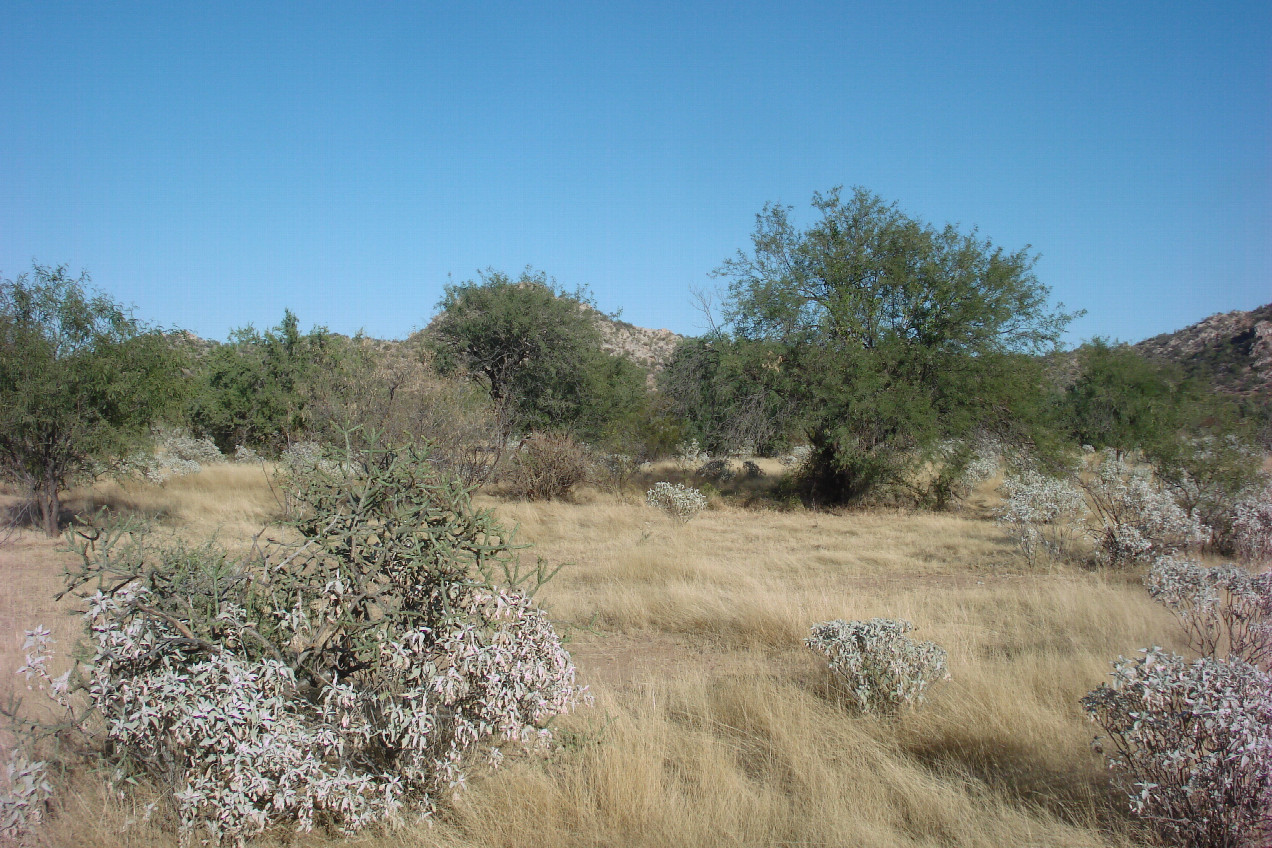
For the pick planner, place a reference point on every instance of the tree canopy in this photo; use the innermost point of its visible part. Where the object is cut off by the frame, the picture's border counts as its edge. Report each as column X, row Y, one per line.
column 537, row 350
column 257, row 388
column 888, row 333
column 80, row 381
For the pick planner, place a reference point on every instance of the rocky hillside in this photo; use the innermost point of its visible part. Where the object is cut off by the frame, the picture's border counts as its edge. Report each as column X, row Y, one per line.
column 650, row 349
column 1232, row 351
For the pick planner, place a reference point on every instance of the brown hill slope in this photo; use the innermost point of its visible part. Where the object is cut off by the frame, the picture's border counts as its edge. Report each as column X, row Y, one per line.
column 1231, row 351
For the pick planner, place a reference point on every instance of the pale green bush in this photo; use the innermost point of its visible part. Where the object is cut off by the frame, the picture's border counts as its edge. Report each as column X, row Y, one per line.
column 882, row 667
column 679, row 501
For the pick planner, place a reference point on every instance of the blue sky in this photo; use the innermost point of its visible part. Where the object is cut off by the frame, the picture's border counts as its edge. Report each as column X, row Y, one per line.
column 212, row 164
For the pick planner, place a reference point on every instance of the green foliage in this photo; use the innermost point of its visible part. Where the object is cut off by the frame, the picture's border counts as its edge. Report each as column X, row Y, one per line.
column 537, row 350
column 726, row 392
column 1120, row 400
column 888, row 335
column 80, row 381
column 258, row 387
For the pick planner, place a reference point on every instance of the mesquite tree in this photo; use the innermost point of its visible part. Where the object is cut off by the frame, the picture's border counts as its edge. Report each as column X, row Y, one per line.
column 80, row 380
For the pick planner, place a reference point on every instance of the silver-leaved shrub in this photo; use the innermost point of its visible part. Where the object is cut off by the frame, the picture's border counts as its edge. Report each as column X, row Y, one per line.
column 1044, row 513
column 1134, row 517
column 351, row 677
column 882, row 668
column 1252, row 526
column 1225, row 610
column 679, row 501
column 1191, row 743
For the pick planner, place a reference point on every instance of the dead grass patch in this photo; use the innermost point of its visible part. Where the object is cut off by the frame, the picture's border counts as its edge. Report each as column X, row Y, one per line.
column 713, row 725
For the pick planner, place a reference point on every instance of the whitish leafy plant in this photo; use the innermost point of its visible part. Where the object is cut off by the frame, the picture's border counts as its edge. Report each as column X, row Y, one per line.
column 1192, row 744
column 884, row 668
column 347, row 679
column 175, row 454
column 1044, row 513
column 242, row 453
column 1225, row 610
column 679, row 501
column 24, row 791
column 1134, row 517
column 1252, row 526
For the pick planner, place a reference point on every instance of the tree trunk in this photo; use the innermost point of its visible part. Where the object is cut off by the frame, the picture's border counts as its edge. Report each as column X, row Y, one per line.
column 50, row 507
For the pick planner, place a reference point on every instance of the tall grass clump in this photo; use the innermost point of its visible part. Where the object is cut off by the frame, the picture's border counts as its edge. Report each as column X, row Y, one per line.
column 347, row 678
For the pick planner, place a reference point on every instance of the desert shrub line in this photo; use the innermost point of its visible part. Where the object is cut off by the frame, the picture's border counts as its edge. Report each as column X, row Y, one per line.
column 882, row 667
column 677, row 500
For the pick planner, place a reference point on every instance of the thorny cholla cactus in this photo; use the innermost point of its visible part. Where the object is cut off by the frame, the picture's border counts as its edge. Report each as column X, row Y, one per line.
column 1192, row 743
column 679, row 501
column 884, row 668
column 1044, row 513
column 339, row 682
column 1225, row 610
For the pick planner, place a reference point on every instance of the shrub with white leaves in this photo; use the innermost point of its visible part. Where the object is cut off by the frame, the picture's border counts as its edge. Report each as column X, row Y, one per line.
column 679, row 501
column 1191, row 743
column 1044, row 513
column 350, row 678
column 1225, row 610
column 24, row 791
column 1252, row 526
column 244, row 454
column 882, row 667
column 1134, row 517
column 175, row 454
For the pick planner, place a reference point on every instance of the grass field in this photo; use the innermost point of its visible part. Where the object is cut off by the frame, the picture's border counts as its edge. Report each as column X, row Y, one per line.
column 712, row 724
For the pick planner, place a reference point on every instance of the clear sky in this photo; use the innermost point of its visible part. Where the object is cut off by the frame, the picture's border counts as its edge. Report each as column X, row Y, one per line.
column 214, row 163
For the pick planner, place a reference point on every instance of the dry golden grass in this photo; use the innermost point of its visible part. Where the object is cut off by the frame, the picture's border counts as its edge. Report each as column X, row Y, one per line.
column 713, row 725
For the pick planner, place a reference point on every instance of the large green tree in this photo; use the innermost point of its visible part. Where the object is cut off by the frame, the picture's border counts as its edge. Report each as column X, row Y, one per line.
column 537, row 350
column 890, row 334
column 257, row 388
column 80, row 381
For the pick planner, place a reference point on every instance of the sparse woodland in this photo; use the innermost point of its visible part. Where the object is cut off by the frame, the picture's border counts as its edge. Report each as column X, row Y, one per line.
column 873, row 563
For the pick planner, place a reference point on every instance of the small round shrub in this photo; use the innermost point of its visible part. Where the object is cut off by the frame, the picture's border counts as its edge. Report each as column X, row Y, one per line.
column 679, row 501
column 882, row 667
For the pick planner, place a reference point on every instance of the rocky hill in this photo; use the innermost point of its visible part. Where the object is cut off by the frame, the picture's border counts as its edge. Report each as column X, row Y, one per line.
column 650, row 349
column 1231, row 351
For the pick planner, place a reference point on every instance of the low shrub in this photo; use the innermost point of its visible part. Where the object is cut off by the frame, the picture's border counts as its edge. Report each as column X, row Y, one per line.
column 346, row 679
column 1252, row 527
column 1135, row 518
column 24, row 791
column 1044, row 514
column 1226, row 611
column 1192, row 745
column 679, row 501
column 547, row 467
column 884, row 668
column 718, row 471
